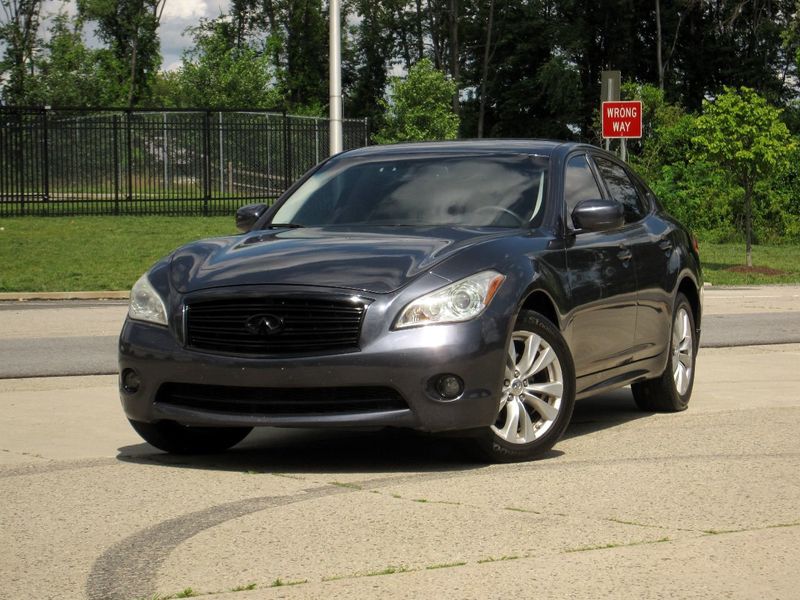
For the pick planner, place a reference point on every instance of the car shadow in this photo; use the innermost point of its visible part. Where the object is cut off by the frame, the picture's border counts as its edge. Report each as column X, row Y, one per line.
column 292, row 451
column 604, row 411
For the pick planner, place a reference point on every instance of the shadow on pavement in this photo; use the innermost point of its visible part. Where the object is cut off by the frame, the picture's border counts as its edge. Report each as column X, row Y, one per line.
column 374, row 451
column 604, row 411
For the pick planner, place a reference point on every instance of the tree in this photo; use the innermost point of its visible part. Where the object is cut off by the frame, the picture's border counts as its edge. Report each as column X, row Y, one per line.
column 130, row 31
column 419, row 107
column 67, row 72
column 225, row 71
column 18, row 33
column 744, row 134
column 372, row 52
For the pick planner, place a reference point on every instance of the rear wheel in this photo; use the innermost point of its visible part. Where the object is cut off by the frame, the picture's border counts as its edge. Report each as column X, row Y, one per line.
column 538, row 393
column 175, row 438
column 671, row 391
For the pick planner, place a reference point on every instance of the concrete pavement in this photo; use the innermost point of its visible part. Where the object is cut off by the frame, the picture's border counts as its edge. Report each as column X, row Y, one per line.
column 700, row 504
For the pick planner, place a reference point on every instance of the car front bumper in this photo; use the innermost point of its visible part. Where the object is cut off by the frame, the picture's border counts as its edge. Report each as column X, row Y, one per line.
column 407, row 361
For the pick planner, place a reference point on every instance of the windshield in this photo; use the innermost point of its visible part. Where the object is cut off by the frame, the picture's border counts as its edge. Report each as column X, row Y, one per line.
column 499, row 190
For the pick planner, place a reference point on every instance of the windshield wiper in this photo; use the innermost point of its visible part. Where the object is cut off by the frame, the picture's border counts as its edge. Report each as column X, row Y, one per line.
column 283, row 226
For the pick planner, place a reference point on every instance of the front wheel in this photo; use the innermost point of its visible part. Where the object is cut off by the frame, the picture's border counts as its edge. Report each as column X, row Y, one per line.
column 671, row 391
column 538, row 393
column 175, row 438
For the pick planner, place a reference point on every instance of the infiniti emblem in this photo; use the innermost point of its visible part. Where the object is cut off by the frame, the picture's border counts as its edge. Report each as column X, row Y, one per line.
column 264, row 325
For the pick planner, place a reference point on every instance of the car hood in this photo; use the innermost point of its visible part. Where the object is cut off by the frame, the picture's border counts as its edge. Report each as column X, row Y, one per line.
column 377, row 260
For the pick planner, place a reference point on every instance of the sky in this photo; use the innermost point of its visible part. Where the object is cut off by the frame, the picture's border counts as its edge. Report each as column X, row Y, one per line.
column 177, row 16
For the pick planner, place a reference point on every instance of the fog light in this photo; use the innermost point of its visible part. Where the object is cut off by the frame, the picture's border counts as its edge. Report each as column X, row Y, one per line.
column 449, row 387
column 131, row 381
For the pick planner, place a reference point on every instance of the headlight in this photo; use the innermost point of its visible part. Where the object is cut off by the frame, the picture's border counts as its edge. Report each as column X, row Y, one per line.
column 459, row 301
column 146, row 304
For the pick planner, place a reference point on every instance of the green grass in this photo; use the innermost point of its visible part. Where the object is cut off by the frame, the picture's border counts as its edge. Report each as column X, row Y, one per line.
column 110, row 253
column 717, row 260
column 92, row 253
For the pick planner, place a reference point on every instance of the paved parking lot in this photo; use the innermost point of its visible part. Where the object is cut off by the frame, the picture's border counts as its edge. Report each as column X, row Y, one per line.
column 701, row 504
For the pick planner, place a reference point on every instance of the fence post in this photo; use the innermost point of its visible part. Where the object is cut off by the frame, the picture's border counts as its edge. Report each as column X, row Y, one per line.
column 287, row 152
column 207, row 161
column 366, row 131
column 221, row 160
column 128, row 136
column 115, row 132
column 20, row 160
column 165, row 148
column 45, row 158
column 316, row 141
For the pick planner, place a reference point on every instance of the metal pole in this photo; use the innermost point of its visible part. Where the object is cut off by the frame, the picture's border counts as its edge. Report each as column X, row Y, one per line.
column 610, row 96
column 335, row 80
column 624, row 149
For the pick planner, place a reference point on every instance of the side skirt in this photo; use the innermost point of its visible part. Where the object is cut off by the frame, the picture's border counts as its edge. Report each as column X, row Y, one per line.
column 618, row 377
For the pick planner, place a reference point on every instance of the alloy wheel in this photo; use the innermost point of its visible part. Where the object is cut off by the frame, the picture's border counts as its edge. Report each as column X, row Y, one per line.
column 532, row 391
column 682, row 351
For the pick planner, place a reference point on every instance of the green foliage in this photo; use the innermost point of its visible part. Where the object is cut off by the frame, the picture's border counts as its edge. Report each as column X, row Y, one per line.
column 702, row 189
column 130, row 31
column 216, row 72
column 744, row 135
column 68, row 72
column 19, row 28
column 419, row 107
column 304, row 76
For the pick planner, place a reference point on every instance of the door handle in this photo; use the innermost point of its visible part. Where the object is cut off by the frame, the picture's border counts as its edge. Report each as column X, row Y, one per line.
column 666, row 246
column 624, row 254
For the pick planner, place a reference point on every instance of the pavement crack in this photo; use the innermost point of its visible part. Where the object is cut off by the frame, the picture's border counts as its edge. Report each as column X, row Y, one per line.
column 25, row 454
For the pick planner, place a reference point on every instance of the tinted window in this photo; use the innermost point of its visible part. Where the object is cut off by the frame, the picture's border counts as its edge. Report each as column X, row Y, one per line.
column 621, row 189
column 579, row 184
column 487, row 190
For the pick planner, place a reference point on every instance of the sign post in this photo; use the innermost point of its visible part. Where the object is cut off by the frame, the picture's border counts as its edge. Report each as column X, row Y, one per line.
column 610, row 82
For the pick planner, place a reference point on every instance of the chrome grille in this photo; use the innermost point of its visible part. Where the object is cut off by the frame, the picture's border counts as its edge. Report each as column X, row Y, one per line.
column 274, row 326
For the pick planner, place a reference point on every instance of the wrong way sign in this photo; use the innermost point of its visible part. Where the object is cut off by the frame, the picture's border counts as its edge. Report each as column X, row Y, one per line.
column 622, row 119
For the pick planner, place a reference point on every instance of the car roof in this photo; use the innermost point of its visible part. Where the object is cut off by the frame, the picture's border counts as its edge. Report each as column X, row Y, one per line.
column 526, row 146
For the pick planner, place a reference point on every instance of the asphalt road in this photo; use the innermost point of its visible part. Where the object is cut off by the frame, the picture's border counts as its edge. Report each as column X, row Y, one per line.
column 41, row 354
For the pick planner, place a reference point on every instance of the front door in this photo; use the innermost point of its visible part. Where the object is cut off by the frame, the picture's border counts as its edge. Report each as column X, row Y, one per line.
column 602, row 281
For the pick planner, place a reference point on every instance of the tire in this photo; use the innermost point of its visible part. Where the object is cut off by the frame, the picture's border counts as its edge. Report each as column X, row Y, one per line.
column 536, row 403
column 671, row 391
column 175, row 438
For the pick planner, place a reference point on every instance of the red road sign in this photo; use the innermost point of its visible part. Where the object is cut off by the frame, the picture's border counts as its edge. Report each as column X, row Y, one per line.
column 622, row 119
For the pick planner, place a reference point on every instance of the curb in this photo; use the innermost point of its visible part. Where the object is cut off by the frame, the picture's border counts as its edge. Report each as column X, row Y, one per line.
column 27, row 296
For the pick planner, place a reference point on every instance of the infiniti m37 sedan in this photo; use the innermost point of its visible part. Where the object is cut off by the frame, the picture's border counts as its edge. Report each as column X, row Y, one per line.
column 471, row 287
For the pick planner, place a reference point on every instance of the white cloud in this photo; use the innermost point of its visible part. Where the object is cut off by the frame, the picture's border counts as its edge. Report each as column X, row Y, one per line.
column 178, row 15
column 184, row 9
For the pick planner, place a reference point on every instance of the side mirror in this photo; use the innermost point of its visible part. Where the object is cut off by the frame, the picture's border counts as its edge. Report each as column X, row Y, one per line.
column 598, row 215
column 247, row 216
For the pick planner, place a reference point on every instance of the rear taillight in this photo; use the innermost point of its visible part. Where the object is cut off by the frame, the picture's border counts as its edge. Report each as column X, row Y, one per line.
column 695, row 245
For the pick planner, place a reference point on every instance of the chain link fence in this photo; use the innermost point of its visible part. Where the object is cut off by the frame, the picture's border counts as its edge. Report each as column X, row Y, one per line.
column 151, row 162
